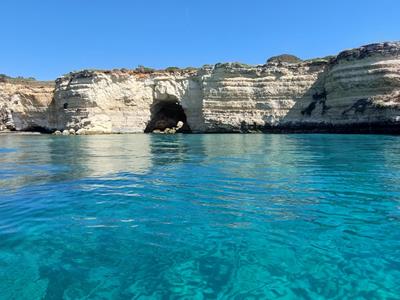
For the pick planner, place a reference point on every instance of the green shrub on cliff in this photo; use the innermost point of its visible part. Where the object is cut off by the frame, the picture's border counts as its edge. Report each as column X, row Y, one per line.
column 143, row 69
column 172, row 69
column 284, row 58
column 191, row 69
column 5, row 78
column 320, row 59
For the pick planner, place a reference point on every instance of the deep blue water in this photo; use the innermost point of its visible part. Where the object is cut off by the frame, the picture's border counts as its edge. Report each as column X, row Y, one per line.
column 200, row 217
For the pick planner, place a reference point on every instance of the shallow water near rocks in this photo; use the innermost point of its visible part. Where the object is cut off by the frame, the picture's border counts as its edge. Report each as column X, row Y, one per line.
column 200, row 217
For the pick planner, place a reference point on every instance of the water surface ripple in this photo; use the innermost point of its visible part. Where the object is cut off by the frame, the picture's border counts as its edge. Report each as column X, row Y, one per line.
column 200, row 217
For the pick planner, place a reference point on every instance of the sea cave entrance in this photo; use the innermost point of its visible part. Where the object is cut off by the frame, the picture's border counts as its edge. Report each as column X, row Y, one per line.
column 167, row 115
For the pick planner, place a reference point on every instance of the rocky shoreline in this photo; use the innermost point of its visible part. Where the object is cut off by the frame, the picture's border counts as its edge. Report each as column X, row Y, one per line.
column 357, row 91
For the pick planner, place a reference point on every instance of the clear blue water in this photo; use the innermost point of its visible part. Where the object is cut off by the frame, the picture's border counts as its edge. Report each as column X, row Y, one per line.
column 200, row 217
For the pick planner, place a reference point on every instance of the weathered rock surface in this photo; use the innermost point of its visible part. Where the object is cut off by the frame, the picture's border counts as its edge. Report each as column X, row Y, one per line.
column 241, row 98
column 24, row 105
column 360, row 89
column 122, row 101
column 356, row 91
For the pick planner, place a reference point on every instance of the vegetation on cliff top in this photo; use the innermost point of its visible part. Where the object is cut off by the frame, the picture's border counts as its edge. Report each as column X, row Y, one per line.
column 172, row 69
column 143, row 69
column 5, row 78
column 292, row 59
column 321, row 59
column 20, row 79
column 139, row 70
column 284, row 58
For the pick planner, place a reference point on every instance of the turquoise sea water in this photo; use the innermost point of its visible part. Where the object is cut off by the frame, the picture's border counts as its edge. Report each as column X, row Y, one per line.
column 200, row 217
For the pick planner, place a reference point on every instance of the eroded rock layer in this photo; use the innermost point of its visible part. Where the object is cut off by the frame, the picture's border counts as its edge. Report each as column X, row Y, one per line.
column 356, row 91
column 24, row 105
column 360, row 87
column 122, row 101
column 243, row 98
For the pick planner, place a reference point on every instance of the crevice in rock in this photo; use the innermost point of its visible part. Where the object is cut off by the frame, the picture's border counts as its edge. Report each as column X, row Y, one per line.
column 308, row 110
column 359, row 106
column 318, row 98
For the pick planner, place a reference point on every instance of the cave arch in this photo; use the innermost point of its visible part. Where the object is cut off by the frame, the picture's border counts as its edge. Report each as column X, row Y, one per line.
column 167, row 114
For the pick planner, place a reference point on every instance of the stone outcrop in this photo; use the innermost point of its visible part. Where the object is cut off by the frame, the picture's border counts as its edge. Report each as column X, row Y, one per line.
column 355, row 91
column 122, row 101
column 24, row 104
column 359, row 90
column 241, row 98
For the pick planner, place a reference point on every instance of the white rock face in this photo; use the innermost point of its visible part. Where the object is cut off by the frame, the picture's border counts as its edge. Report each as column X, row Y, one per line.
column 223, row 98
column 24, row 105
column 239, row 97
column 359, row 87
column 359, row 90
column 120, row 102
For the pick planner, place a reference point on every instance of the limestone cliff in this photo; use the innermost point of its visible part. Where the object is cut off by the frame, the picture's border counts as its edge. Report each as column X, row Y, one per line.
column 122, row 101
column 356, row 91
column 359, row 90
column 24, row 104
column 238, row 97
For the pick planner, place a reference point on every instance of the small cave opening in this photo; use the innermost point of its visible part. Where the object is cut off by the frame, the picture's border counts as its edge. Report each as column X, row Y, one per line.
column 168, row 115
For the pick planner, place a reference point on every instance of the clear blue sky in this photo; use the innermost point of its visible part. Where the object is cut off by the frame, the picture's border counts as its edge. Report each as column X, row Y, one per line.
column 48, row 38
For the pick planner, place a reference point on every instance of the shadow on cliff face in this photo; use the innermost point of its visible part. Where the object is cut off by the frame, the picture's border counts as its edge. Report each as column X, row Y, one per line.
column 167, row 114
column 312, row 106
column 317, row 112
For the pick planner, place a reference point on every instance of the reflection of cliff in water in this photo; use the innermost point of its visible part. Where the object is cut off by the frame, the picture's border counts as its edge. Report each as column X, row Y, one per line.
column 116, row 154
column 170, row 149
column 24, row 160
column 40, row 159
column 263, row 159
